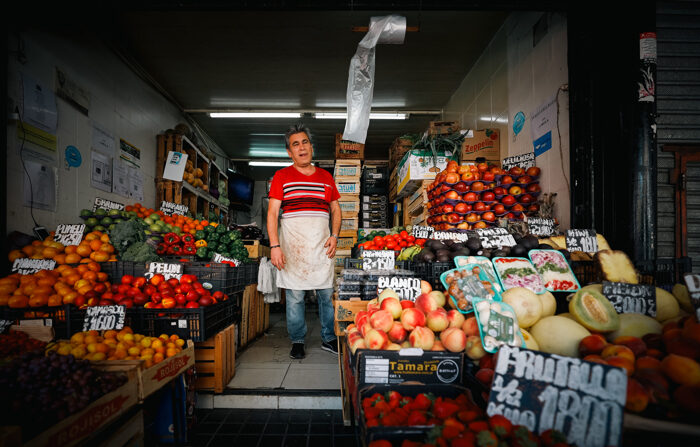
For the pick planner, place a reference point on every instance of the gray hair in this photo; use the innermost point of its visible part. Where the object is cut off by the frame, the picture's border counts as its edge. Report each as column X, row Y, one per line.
column 296, row 128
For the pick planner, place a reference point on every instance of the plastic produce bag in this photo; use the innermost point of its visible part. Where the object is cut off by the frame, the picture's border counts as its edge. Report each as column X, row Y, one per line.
column 267, row 281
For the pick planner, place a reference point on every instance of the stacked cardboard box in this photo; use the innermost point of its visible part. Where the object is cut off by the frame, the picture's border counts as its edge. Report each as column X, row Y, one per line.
column 347, row 175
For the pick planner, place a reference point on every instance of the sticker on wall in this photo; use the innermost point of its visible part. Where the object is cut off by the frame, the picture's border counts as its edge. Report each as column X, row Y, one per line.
column 518, row 122
column 73, row 157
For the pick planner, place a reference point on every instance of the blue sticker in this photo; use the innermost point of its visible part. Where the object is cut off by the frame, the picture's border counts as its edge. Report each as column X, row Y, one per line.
column 543, row 144
column 73, row 157
column 518, row 122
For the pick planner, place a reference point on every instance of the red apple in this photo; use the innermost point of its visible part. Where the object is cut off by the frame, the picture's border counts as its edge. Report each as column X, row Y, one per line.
column 472, row 217
column 518, row 207
column 524, row 179
column 500, row 191
column 444, row 188
column 468, row 177
column 471, row 197
column 488, row 176
column 508, row 200
column 461, row 187
column 482, row 167
column 488, row 196
column 533, row 208
column 477, row 186
column 533, row 171
column 533, row 187
column 506, row 180
column 489, row 216
column 447, row 208
column 461, row 207
column 480, row 224
column 515, row 170
column 479, row 206
column 454, row 218
column 499, row 208
column 463, row 226
column 526, row 199
column 510, row 216
column 452, row 195
column 462, row 169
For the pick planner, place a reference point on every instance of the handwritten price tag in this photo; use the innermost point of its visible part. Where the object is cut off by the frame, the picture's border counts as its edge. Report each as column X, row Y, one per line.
column 378, row 260
column 69, row 234
column 581, row 240
column 104, row 318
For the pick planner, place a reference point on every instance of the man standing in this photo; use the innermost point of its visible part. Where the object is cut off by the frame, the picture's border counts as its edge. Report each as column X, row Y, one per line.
column 304, row 248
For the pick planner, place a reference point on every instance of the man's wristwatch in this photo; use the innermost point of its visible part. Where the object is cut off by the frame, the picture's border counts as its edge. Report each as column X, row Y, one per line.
column 335, row 236
column 274, row 246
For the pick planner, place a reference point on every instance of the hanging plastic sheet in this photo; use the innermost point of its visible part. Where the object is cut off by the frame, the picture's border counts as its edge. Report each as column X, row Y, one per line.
column 386, row 30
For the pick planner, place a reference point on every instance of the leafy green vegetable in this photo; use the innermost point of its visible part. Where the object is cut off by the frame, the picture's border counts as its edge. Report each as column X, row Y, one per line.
column 126, row 233
column 140, row 252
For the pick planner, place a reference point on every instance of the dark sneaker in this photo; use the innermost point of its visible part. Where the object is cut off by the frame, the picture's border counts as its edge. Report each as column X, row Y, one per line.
column 330, row 346
column 297, row 351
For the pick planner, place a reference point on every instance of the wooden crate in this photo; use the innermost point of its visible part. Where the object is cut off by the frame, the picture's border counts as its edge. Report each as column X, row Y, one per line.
column 345, row 310
column 348, row 168
column 349, row 205
column 394, row 183
column 399, row 147
column 443, row 127
column 169, row 191
column 348, row 149
column 415, row 205
column 346, row 243
column 130, row 433
column 215, row 360
column 348, row 186
column 255, row 315
column 256, row 250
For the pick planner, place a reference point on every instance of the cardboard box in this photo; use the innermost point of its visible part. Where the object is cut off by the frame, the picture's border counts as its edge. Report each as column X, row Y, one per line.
column 481, row 144
column 443, row 127
column 416, row 166
column 348, row 186
column 348, row 168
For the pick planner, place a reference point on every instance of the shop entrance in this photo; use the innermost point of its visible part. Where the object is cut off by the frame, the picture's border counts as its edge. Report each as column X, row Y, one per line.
column 686, row 179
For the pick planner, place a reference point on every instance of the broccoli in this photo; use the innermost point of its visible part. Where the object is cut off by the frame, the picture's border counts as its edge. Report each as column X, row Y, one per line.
column 126, row 233
column 140, row 252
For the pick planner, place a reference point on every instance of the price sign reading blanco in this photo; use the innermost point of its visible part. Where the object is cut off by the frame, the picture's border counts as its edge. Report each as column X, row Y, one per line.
column 581, row 240
column 449, row 235
column 104, row 318
column 224, row 260
column 165, row 269
column 107, row 204
column 495, row 237
column 540, row 227
column 631, row 298
column 26, row 266
column 378, row 260
column 421, row 232
column 406, row 288
column 524, row 161
column 170, row 208
column 693, row 284
column 584, row 400
column 69, row 234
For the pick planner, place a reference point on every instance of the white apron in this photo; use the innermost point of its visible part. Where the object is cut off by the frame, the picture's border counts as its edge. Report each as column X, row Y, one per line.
column 308, row 266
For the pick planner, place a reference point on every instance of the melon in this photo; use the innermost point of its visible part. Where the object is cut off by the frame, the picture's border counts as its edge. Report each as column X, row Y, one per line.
column 567, row 315
column 635, row 325
column 525, row 303
column 666, row 305
column 680, row 292
column 593, row 311
column 549, row 304
column 530, row 342
column 558, row 335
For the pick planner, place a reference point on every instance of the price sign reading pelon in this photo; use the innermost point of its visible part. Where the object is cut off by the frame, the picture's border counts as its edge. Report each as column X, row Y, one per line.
column 581, row 240
column 495, row 237
column 107, row 204
column 631, row 298
column 538, row 226
column 27, row 266
column 422, row 232
column 584, row 400
column 104, row 318
column 378, row 260
column 224, row 260
column 170, row 208
column 165, row 269
column 406, row 288
column 69, row 234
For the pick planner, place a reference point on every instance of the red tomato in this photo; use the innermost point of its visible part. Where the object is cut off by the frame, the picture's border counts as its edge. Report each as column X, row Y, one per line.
column 403, row 244
column 404, row 234
column 391, row 245
column 411, row 238
column 156, row 280
column 127, row 279
column 139, row 282
column 378, row 240
column 168, row 303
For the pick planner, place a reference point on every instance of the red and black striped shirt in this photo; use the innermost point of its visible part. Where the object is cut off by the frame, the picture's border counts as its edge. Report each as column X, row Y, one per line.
column 304, row 195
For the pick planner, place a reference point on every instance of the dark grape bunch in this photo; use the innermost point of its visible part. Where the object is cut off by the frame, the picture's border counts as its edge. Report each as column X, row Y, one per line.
column 40, row 391
column 16, row 342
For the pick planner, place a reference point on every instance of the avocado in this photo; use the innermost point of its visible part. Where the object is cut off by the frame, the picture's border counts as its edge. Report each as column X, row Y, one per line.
column 518, row 250
column 473, row 244
column 544, row 247
column 445, row 257
column 530, row 242
column 442, row 252
column 436, row 245
column 498, row 253
column 427, row 255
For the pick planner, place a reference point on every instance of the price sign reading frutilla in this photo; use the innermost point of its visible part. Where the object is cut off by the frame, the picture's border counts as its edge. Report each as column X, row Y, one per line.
column 26, row 266
column 421, row 232
column 107, row 204
column 69, row 234
column 495, row 237
column 540, row 227
column 405, row 287
column 450, row 235
column 631, row 298
column 165, row 269
column 170, row 208
column 378, row 260
column 693, row 284
column 224, row 260
column 524, row 161
column 584, row 400
column 581, row 240
column 104, row 318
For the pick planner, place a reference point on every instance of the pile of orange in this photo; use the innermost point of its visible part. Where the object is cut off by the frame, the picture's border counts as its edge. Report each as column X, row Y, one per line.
column 64, row 285
column 120, row 345
column 95, row 247
column 186, row 224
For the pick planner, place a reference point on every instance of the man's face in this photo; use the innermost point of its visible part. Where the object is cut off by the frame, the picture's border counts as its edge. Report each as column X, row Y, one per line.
column 300, row 149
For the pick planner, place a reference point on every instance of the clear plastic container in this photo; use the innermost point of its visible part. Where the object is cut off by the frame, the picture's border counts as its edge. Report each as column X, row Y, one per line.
column 353, row 274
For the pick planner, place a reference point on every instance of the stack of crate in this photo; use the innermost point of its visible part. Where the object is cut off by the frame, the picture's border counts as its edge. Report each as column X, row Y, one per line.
column 415, row 206
column 347, row 179
column 375, row 188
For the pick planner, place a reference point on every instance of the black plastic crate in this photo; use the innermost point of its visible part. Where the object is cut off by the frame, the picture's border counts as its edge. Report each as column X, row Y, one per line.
column 117, row 269
column 189, row 324
column 65, row 319
column 438, row 268
column 664, row 272
column 251, row 273
column 353, row 263
column 238, row 278
column 587, row 272
column 212, row 275
column 422, row 270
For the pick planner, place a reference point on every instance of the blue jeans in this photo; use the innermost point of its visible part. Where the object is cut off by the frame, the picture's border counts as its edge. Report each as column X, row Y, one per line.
column 296, row 322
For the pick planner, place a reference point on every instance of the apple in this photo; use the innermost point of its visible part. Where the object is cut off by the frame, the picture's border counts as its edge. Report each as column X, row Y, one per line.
column 488, row 216
column 436, row 320
column 496, row 170
column 468, row 177
column 462, row 169
column 499, row 208
column 461, row 187
column 515, row 170
column 438, row 296
column 524, row 179
column 455, row 317
column 508, row 200
column 482, row 167
column 488, row 176
column 477, row 186
column 533, row 171
column 376, row 339
column 506, row 180
column 533, row 208
column 453, row 339
column 471, row 197
column 480, row 224
column 533, row 187
column 447, row 208
column 515, row 190
column 393, row 306
column 422, row 337
column 397, row 333
column 461, row 208
column 526, row 199
column 412, row 318
column 426, row 303
column 510, row 216
column 452, row 178
column 479, row 206
column 463, row 226
column 444, row 188
column 425, row 287
column 488, row 196
column 454, row 218
column 452, row 195
column 472, row 217
column 500, row 191
column 518, row 207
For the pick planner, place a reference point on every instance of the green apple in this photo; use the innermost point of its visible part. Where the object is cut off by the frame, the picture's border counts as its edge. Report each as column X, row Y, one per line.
column 91, row 222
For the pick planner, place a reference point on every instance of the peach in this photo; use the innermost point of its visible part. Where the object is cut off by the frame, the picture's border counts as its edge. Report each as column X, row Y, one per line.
column 361, row 317
column 671, row 334
column 647, row 362
column 454, row 339
column 437, row 346
column 406, row 344
column 652, row 379
column 688, row 397
column 405, row 304
column 439, row 297
column 636, row 344
column 373, row 304
column 436, row 320
column 656, row 353
column 455, row 318
column 619, row 351
column 376, row 339
column 683, row 347
column 682, row 370
column 358, row 344
column 473, row 347
column 393, row 306
column 637, row 396
column 412, row 318
column 595, row 358
column 653, row 341
column 393, row 347
column 422, row 337
column 365, row 328
column 350, row 327
column 425, row 287
column 386, row 293
column 353, row 336
column 381, row 319
column 426, row 303
column 397, row 333
column 485, row 376
column 691, row 332
column 621, row 362
column 591, row 344
column 470, row 326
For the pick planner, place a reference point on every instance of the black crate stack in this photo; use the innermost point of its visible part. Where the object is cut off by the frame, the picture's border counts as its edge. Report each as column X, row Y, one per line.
column 374, row 202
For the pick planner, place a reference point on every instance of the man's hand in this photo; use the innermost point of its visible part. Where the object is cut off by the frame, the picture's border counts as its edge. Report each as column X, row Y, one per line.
column 277, row 258
column 331, row 243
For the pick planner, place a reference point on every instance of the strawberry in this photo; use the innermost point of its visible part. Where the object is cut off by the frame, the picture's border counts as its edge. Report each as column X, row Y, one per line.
column 478, row 426
column 486, row 438
column 416, row 417
column 443, row 409
column 468, row 415
column 522, row 437
column 422, row 402
column 551, row 437
column 500, row 425
column 380, row 443
column 468, row 439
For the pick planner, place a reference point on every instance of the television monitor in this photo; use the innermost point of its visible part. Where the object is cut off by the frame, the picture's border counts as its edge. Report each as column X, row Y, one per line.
column 240, row 188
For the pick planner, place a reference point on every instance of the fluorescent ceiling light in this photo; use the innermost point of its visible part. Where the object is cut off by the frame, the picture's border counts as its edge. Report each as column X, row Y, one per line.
column 265, row 153
column 494, row 119
column 270, row 163
column 372, row 116
column 255, row 115
column 266, row 134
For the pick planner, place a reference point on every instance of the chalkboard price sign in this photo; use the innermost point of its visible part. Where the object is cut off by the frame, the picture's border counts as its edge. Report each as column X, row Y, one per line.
column 450, row 236
column 584, row 400
column 4, row 325
column 524, row 161
column 378, row 260
column 693, row 284
column 69, row 234
column 581, row 240
column 224, row 260
column 495, row 237
column 165, row 269
column 631, row 298
column 405, row 288
column 27, row 266
column 422, row 232
column 106, row 204
column 104, row 318
column 540, row 227
column 170, row 208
